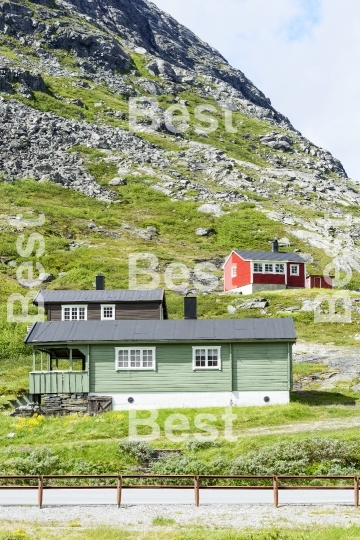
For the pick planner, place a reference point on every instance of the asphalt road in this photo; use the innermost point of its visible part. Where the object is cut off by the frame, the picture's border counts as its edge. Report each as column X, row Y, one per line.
column 172, row 496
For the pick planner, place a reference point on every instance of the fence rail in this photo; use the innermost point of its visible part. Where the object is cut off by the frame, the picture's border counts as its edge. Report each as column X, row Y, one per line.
column 275, row 484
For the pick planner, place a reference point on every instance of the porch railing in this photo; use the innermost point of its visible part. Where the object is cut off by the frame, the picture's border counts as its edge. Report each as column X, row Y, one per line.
column 58, row 382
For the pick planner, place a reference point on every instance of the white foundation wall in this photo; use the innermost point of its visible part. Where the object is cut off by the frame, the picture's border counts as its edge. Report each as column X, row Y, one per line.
column 244, row 399
column 258, row 287
column 193, row 400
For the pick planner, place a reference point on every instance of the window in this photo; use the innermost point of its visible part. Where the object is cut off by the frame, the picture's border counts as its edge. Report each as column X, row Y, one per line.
column 133, row 359
column 279, row 269
column 108, row 312
column 258, row 267
column 234, row 271
column 206, row 358
column 74, row 313
column 294, row 270
column 269, row 268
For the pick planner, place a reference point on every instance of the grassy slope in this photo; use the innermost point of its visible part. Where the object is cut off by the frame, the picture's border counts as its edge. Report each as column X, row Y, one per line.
column 95, row 440
column 67, row 216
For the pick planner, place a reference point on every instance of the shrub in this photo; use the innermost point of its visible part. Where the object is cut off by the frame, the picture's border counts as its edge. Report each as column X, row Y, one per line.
column 197, row 444
column 179, row 465
column 190, row 465
column 35, row 462
column 312, row 456
column 308, row 456
column 140, row 450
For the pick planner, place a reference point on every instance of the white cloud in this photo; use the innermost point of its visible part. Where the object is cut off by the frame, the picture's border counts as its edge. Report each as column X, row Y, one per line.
column 303, row 54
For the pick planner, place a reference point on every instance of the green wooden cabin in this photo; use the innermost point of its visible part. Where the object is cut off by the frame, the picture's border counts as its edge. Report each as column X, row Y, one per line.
column 147, row 364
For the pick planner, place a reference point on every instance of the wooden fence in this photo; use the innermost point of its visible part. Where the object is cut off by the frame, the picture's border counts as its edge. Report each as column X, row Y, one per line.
column 276, row 483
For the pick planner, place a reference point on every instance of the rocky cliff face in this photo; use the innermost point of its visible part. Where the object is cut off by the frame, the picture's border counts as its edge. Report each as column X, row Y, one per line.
column 67, row 71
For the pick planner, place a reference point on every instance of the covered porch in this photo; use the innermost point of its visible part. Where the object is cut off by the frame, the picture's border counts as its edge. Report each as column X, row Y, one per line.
column 59, row 370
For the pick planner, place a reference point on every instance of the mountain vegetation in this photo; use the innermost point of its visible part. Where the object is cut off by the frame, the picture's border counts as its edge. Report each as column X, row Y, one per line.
column 71, row 74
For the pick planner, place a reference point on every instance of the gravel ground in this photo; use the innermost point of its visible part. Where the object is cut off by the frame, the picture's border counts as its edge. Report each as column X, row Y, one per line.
column 140, row 517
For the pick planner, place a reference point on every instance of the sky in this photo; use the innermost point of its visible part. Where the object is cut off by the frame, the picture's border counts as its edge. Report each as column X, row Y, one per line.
column 303, row 54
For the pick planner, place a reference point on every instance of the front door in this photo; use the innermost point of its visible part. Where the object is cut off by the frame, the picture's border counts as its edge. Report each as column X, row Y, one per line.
column 317, row 283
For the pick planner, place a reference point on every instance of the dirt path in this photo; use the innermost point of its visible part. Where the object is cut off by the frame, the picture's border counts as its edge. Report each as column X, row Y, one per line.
column 323, row 425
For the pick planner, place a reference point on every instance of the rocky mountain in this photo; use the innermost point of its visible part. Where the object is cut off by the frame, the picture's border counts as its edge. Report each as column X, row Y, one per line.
column 69, row 71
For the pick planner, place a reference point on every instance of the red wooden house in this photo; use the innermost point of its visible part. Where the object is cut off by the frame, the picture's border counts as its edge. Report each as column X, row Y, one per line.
column 251, row 271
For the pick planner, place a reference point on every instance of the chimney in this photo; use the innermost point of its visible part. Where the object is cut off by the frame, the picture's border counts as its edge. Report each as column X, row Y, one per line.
column 275, row 246
column 100, row 282
column 190, row 307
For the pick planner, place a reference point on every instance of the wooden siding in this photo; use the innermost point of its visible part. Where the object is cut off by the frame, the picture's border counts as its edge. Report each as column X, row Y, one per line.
column 256, row 366
column 123, row 310
column 319, row 282
column 174, row 371
column 243, row 269
column 261, row 366
column 57, row 382
column 296, row 281
column 138, row 311
column 278, row 279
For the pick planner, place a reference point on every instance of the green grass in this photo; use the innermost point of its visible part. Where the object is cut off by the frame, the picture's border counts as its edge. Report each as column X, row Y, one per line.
column 161, row 521
column 305, row 369
column 45, row 532
column 95, row 440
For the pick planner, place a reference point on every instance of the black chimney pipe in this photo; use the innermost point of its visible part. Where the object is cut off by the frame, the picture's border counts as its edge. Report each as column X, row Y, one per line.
column 100, row 282
column 190, row 307
column 275, row 246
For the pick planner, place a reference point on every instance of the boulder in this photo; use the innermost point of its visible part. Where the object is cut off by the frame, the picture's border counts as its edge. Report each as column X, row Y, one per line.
column 45, row 277
column 213, row 209
column 204, row 232
column 117, row 181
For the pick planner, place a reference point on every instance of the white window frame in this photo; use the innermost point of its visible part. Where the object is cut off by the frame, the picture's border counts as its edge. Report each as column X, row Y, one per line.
column 279, row 271
column 72, row 306
column 297, row 273
column 113, row 306
column 207, row 348
column 234, row 271
column 269, row 271
column 258, row 271
column 129, row 349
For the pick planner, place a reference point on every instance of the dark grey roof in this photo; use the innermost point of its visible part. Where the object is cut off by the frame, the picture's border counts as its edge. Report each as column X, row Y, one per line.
column 160, row 330
column 248, row 255
column 54, row 296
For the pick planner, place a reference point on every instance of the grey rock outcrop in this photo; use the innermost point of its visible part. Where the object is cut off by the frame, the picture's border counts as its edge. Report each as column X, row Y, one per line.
column 28, row 81
column 134, row 49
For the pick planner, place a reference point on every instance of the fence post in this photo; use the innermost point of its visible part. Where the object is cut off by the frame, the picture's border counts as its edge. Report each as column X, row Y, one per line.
column 356, row 491
column 276, row 491
column 40, row 490
column 118, row 490
column 197, row 491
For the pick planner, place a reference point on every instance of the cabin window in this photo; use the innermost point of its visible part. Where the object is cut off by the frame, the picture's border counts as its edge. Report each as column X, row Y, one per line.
column 135, row 358
column 234, row 271
column 74, row 313
column 269, row 268
column 258, row 267
column 294, row 270
column 107, row 312
column 279, row 269
column 206, row 358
